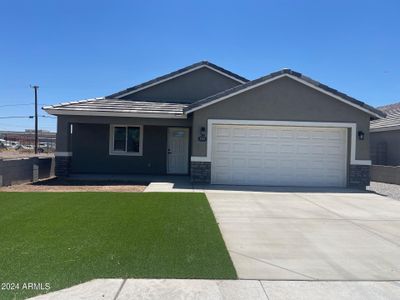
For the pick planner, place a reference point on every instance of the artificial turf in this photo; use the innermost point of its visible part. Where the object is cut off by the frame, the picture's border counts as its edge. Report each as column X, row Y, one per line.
column 68, row 238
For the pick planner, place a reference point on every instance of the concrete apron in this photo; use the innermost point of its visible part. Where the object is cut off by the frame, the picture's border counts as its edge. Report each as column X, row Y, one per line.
column 171, row 289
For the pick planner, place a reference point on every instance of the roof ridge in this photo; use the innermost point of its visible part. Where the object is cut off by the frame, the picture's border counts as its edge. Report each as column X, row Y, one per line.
column 395, row 105
column 72, row 102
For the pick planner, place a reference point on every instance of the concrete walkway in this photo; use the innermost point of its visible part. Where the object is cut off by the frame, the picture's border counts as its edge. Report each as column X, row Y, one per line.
column 183, row 184
column 172, row 289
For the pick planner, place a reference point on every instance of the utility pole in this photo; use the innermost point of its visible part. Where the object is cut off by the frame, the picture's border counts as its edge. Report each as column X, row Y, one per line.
column 35, row 87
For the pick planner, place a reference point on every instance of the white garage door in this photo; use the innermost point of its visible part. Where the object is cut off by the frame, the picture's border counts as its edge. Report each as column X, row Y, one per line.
column 278, row 156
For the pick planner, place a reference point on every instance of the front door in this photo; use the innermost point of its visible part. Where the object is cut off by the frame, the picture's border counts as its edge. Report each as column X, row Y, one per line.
column 178, row 150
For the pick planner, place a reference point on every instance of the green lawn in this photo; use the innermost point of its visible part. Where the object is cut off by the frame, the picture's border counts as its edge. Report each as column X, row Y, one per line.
column 68, row 238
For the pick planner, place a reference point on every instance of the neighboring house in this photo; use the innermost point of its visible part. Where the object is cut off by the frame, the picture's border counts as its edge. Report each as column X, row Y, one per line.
column 283, row 129
column 385, row 137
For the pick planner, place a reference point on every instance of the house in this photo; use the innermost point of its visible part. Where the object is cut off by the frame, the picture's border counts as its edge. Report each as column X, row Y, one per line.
column 283, row 129
column 385, row 137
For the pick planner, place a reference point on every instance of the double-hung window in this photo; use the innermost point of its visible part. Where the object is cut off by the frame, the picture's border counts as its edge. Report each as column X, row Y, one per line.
column 126, row 140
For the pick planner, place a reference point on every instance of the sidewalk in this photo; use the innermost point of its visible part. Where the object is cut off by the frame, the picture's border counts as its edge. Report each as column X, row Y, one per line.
column 171, row 289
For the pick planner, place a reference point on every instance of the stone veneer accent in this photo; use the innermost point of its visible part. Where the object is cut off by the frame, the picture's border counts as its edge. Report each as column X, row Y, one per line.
column 359, row 176
column 63, row 164
column 200, row 172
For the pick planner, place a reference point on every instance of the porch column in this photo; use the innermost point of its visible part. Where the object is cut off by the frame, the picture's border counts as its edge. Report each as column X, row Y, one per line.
column 63, row 152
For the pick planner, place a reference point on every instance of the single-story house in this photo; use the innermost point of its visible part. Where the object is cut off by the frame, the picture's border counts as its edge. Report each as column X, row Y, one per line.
column 283, row 129
column 385, row 137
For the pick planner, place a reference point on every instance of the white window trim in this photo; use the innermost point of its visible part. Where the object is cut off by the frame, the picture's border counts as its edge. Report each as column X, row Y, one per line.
column 125, row 153
column 352, row 126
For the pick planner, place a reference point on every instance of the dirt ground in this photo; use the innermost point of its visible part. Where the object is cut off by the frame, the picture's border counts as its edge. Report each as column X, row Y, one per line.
column 56, row 185
column 21, row 154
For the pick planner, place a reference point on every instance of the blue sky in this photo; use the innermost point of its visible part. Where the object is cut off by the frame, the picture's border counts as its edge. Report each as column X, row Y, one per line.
column 83, row 49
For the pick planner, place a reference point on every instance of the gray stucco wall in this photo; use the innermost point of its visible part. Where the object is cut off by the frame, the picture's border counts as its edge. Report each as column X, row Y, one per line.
column 19, row 170
column 385, row 147
column 63, row 136
column 187, row 88
column 387, row 174
column 90, row 147
column 282, row 100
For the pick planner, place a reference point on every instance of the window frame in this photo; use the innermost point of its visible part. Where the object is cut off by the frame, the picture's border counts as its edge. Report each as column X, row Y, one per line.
column 125, row 153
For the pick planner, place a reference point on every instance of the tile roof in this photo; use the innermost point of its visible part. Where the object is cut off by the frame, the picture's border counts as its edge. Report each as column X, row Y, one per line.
column 196, row 105
column 177, row 73
column 392, row 119
column 115, row 106
column 107, row 105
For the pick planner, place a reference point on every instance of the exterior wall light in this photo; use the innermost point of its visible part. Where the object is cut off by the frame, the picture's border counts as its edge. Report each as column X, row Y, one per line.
column 361, row 135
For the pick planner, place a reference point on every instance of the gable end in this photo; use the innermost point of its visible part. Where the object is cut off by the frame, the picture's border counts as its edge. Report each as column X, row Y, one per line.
column 176, row 74
column 374, row 113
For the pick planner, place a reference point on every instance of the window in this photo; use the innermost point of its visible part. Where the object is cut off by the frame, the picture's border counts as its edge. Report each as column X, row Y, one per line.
column 126, row 140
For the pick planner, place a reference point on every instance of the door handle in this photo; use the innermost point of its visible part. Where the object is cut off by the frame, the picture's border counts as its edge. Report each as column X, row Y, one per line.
column 169, row 151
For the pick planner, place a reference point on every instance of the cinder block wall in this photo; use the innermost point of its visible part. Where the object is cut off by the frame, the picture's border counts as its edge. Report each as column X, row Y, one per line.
column 387, row 174
column 20, row 170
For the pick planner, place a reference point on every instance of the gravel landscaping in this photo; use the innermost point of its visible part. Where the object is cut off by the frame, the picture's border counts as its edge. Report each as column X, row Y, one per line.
column 60, row 185
column 386, row 189
column 10, row 154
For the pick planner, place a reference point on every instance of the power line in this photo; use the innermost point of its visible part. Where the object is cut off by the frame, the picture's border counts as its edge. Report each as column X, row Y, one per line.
column 25, row 117
column 17, row 117
column 21, row 104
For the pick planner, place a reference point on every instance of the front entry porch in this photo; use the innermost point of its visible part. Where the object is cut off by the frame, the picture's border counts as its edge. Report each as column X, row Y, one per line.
column 124, row 146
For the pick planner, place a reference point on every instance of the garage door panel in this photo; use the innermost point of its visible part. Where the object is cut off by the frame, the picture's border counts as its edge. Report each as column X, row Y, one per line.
column 222, row 162
column 223, row 147
column 318, row 135
column 304, row 150
column 288, row 148
column 239, row 163
column 240, row 132
column 338, row 150
column 254, row 162
column 286, row 134
column 303, row 135
column 276, row 155
column 271, row 148
column 270, row 164
column 256, row 132
column 271, row 134
column 254, row 179
column 255, row 147
column 239, row 148
column 222, row 176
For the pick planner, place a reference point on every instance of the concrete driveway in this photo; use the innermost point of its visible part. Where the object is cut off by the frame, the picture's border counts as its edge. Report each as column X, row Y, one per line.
column 310, row 236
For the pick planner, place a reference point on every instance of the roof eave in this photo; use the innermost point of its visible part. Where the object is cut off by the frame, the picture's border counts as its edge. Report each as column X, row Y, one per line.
column 387, row 128
column 68, row 112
